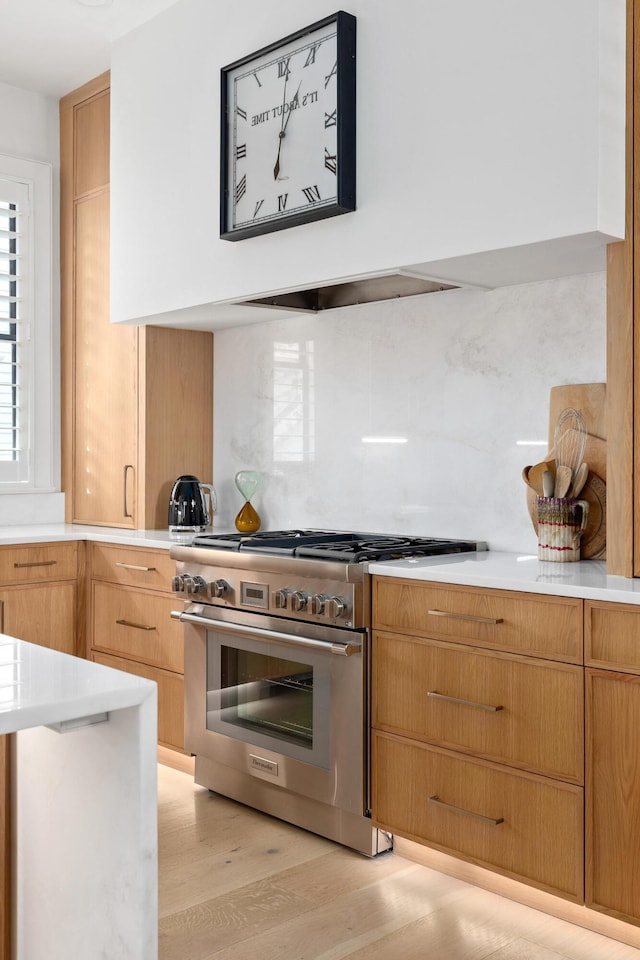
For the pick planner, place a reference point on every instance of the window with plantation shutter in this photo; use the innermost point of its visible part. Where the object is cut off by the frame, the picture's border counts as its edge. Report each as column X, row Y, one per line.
column 14, row 309
column 27, row 427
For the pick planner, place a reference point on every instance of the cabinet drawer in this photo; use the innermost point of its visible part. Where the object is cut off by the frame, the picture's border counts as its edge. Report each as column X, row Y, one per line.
column 612, row 635
column 152, row 569
column 549, row 627
column 137, row 625
column 499, row 706
column 523, row 826
column 39, row 561
column 170, row 697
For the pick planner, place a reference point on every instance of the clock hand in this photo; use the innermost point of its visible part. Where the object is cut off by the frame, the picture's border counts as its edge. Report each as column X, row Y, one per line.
column 289, row 112
column 276, row 169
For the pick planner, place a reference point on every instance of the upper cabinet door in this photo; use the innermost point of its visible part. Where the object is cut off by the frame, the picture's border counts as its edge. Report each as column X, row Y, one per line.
column 100, row 361
column 106, row 382
column 92, row 135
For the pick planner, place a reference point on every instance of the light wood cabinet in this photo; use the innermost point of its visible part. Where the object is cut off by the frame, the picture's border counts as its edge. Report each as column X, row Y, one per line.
column 137, row 402
column 478, row 727
column 612, row 635
column 493, row 705
column 39, row 594
column 131, row 628
column 613, row 759
column 548, row 627
column 41, row 613
column 526, row 827
column 170, row 696
column 136, row 624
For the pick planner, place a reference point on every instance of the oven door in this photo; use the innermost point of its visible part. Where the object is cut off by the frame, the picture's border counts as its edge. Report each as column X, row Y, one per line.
column 279, row 701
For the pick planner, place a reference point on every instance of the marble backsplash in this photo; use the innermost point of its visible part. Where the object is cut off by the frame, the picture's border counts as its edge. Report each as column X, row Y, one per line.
column 408, row 416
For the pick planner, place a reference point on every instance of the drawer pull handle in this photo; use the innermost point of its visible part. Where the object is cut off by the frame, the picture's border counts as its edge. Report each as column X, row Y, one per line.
column 133, row 566
column 464, row 616
column 138, row 626
column 37, row 563
column 469, row 813
column 464, row 703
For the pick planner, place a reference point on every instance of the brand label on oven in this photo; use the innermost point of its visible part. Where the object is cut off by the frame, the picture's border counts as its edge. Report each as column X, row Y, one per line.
column 263, row 765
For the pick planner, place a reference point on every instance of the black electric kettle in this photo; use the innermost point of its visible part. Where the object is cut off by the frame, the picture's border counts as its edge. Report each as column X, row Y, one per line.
column 188, row 513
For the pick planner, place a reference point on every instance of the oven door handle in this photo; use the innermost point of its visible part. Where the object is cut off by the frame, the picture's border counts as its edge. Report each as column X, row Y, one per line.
column 341, row 649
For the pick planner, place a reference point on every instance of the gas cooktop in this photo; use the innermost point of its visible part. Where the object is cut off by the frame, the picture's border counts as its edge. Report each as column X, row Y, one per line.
column 335, row 545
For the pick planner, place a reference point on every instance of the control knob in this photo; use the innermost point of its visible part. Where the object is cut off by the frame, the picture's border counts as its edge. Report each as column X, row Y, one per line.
column 336, row 607
column 317, row 603
column 299, row 601
column 177, row 584
column 195, row 585
column 218, row 588
column 281, row 598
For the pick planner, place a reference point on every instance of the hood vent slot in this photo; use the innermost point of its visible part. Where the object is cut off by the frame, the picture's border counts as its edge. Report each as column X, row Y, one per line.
column 350, row 293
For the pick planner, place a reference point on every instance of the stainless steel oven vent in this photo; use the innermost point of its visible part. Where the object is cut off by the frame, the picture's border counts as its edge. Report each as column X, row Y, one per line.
column 370, row 290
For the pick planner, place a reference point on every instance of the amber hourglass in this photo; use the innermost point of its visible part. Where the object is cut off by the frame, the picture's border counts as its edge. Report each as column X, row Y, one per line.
column 248, row 520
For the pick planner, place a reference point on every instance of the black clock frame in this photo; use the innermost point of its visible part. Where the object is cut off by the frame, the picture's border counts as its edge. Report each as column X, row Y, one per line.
column 346, row 132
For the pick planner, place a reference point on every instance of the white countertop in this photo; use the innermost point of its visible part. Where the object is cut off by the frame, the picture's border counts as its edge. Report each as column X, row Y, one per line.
column 51, row 532
column 586, row 579
column 39, row 687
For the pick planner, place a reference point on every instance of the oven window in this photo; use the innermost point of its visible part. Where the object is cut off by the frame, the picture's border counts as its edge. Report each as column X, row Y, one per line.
column 267, row 695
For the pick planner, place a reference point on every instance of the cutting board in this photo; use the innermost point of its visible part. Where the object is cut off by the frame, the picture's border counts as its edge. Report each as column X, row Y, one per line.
column 589, row 400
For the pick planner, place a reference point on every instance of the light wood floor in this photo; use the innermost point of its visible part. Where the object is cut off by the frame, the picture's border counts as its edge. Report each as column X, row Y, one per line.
column 238, row 885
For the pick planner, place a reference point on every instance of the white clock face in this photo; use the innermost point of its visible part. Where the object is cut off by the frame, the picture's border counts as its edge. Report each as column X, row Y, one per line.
column 283, row 122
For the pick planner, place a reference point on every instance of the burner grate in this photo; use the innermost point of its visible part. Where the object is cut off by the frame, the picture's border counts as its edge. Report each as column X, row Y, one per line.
column 383, row 548
column 334, row 545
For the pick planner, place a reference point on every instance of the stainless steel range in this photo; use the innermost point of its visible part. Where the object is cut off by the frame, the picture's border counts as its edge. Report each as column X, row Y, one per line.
column 277, row 670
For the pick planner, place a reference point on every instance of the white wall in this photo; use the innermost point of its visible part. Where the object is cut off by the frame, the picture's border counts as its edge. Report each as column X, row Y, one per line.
column 481, row 127
column 29, row 129
column 463, row 375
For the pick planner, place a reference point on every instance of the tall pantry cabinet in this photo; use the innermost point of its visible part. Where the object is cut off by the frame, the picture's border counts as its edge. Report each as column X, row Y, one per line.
column 137, row 401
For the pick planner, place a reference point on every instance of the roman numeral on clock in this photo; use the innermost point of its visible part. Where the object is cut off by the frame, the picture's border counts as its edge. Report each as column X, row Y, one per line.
column 257, row 79
column 311, row 193
column 241, row 151
column 241, row 188
column 241, row 113
column 330, row 161
column 331, row 119
column 334, row 73
column 311, row 56
column 283, row 68
column 282, row 201
column 258, row 205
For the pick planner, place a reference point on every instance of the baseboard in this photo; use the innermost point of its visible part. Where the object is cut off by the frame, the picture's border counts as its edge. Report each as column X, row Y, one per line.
column 179, row 761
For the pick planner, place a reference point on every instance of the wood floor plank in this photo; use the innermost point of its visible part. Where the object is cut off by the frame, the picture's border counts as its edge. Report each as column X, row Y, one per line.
column 338, row 873
column 375, row 914
column 525, row 950
column 235, row 884
column 224, row 921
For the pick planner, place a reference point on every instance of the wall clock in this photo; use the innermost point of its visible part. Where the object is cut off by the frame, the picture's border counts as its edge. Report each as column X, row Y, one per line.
column 288, row 131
